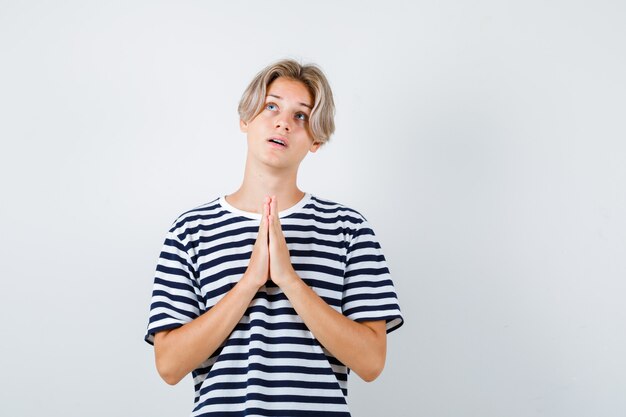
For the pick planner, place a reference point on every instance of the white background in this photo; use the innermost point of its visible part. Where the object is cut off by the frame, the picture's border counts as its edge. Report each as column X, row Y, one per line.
column 484, row 141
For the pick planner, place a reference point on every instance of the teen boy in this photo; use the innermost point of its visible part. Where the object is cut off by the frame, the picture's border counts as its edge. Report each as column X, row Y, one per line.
column 270, row 295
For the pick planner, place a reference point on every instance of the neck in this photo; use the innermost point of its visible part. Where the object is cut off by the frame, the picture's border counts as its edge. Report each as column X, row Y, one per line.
column 261, row 180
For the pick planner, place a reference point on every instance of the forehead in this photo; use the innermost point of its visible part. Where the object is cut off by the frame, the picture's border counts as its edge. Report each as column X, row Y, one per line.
column 290, row 90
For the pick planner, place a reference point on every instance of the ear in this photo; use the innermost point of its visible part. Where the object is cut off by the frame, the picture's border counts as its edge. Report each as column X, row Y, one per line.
column 243, row 126
column 315, row 146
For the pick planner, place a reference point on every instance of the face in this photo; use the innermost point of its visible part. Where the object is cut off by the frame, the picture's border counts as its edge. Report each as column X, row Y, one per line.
column 279, row 134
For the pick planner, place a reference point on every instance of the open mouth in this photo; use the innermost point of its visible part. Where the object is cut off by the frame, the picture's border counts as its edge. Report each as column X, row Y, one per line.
column 278, row 141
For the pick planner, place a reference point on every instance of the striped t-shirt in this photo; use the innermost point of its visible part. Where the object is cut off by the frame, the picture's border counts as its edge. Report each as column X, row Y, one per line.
column 271, row 364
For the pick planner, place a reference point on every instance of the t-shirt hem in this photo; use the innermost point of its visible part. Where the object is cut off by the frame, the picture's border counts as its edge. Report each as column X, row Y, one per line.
column 149, row 337
column 393, row 322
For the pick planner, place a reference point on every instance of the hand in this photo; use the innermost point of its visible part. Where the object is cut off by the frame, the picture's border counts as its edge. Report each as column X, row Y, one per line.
column 258, row 271
column 281, row 270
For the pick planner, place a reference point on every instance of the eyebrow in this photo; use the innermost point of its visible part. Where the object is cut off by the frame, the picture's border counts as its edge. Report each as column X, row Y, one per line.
column 280, row 98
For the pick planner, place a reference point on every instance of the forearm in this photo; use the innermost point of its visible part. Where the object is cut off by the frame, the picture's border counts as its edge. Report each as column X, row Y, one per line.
column 183, row 349
column 359, row 346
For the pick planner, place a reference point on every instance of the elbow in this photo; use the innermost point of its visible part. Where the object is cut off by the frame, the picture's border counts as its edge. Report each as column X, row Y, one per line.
column 169, row 378
column 371, row 374
column 376, row 357
column 166, row 366
column 167, row 374
column 374, row 370
column 166, row 369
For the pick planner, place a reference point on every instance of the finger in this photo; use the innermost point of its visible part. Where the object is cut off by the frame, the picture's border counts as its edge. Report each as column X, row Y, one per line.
column 270, row 210
column 263, row 227
column 266, row 205
column 273, row 214
column 268, row 200
column 275, row 208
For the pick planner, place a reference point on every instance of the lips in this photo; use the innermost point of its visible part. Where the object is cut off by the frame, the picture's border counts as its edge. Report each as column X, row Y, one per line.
column 279, row 140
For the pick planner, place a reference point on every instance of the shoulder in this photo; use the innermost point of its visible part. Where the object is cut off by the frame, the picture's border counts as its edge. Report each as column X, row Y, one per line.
column 332, row 209
column 353, row 223
column 191, row 219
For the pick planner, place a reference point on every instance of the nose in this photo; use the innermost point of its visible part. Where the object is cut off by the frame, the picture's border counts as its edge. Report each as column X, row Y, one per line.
column 281, row 122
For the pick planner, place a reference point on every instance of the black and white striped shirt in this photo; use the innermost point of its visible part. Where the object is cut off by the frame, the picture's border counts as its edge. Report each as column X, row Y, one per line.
column 271, row 364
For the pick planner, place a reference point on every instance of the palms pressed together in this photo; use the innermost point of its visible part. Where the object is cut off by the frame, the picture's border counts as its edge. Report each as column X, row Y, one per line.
column 270, row 255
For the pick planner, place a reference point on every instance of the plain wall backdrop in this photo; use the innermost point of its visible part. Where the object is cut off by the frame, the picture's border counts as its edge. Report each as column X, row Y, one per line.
column 484, row 140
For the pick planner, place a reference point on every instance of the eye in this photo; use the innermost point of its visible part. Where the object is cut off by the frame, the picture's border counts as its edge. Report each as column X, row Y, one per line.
column 271, row 106
column 302, row 116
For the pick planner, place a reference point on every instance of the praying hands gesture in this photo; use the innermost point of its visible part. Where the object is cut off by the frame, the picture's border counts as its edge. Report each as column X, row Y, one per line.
column 359, row 346
column 270, row 255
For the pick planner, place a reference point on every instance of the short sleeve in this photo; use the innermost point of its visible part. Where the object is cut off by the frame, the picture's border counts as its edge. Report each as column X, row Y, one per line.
column 369, row 293
column 176, row 297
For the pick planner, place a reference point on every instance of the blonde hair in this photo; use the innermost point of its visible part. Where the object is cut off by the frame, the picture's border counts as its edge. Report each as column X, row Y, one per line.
column 321, row 122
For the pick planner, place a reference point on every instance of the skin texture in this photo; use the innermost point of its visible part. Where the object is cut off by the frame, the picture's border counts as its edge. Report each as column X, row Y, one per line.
column 270, row 186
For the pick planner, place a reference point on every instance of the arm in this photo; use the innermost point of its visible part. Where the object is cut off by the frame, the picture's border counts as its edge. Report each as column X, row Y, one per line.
column 360, row 346
column 181, row 350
